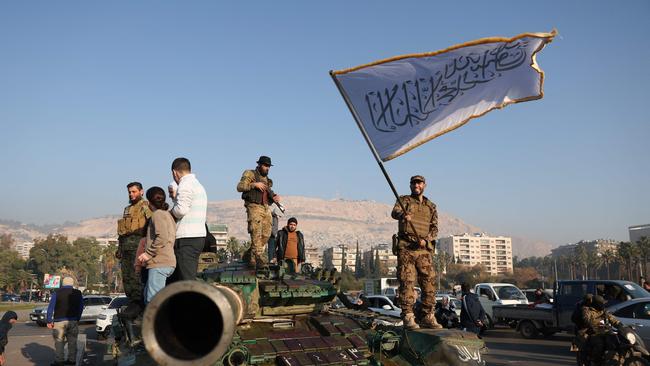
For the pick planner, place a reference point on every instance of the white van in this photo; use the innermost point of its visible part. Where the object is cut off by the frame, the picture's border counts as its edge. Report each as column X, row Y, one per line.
column 491, row 294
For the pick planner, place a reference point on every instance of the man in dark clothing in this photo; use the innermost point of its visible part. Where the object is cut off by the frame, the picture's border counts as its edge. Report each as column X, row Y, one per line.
column 594, row 318
column 63, row 314
column 541, row 297
column 472, row 315
column 8, row 321
column 291, row 245
column 360, row 304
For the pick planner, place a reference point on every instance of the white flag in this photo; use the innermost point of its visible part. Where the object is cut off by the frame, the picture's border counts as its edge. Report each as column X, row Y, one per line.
column 408, row 100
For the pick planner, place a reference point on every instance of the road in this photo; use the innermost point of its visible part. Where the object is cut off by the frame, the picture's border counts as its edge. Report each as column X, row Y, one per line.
column 31, row 345
column 508, row 347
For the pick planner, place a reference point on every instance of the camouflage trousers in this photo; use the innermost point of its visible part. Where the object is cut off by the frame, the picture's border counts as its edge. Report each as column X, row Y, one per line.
column 130, row 280
column 260, row 224
column 415, row 266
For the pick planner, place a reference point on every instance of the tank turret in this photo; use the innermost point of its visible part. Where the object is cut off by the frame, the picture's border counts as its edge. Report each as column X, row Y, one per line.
column 237, row 316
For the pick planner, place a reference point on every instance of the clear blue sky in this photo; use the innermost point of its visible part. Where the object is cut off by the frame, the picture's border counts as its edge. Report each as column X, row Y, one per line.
column 96, row 94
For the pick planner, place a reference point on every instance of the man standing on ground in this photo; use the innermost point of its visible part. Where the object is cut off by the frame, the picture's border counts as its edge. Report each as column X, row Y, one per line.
column 8, row 320
column 63, row 314
column 414, row 250
column 291, row 245
column 130, row 229
column 190, row 210
column 472, row 315
column 255, row 186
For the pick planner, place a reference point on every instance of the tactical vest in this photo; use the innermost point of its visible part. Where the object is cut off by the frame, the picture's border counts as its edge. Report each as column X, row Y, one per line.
column 133, row 220
column 257, row 196
column 421, row 215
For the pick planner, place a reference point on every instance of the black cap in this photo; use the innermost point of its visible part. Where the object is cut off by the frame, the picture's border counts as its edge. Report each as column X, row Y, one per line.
column 418, row 178
column 294, row 220
column 264, row 160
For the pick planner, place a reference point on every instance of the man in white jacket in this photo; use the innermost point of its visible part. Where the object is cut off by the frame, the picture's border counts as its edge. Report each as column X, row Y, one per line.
column 190, row 211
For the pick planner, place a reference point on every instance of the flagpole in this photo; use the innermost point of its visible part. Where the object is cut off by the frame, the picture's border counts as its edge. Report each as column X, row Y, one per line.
column 357, row 119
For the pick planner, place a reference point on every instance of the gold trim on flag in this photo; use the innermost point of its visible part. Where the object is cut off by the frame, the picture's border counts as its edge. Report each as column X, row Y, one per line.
column 549, row 38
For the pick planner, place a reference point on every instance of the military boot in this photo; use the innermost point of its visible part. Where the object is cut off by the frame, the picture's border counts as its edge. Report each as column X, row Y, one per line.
column 251, row 262
column 409, row 321
column 430, row 321
column 260, row 261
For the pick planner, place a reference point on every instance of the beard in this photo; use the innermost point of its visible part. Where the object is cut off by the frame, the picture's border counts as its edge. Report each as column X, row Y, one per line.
column 135, row 200
column 262, row 173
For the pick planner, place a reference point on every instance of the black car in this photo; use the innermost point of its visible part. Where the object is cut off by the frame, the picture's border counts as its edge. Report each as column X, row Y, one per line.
column 39, row 315
column 10, row 298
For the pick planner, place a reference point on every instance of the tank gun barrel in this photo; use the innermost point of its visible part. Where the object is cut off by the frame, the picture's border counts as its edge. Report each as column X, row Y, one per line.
column 191, row 323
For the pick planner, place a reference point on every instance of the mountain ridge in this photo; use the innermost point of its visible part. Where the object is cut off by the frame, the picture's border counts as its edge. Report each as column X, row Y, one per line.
column 324, row 223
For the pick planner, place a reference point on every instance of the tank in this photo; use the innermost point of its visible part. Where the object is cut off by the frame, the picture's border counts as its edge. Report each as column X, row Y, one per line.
column 237, row 316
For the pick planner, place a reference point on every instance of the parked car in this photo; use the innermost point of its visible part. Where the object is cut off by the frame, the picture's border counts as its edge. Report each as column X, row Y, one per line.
column 39, row 315
column 635, row 313
column 93, row 305
column 10, row 298
column 491, row 294
column 383, row 305
column 556, row 317
column 105, row 318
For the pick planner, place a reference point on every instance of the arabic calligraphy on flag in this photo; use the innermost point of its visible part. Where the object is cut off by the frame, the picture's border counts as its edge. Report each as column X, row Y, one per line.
column 406, row 101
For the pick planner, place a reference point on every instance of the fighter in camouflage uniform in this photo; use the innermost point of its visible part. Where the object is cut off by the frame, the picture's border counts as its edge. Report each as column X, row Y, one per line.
column 414, row 259
column 591, row 320
column 255, row 186
column 130, row 229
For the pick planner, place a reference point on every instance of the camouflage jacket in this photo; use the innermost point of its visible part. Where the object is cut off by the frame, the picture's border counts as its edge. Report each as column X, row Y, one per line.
column 591, row 319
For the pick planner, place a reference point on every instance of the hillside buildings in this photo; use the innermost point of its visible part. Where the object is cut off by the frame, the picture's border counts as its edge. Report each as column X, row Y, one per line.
column 220, row 232
column 23, row 248
column 493, row 252
column 339, row 257
column 598, row 246
column 107, row 241
column 313, row 256
column 382, row 253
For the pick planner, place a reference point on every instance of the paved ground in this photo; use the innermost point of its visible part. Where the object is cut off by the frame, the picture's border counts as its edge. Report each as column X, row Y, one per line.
column 508, row 347
column 31, row 345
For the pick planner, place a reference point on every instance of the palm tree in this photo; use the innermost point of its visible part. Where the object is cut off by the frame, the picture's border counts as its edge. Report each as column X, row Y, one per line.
column 625, row 252
column 593, row 263
column 643, row 248
column 581, row 258
column 109, row 263
column 608, row 256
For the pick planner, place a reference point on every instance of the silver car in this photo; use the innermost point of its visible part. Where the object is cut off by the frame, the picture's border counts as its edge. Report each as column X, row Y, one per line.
column 383, row 305
column 93, row 306
column 635, row 313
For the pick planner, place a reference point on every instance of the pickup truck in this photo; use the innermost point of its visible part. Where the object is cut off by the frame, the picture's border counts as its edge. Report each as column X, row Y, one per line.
column 548, row 319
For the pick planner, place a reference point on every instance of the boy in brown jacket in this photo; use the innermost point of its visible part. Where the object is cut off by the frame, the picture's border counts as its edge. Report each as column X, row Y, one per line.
column 158, row 256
